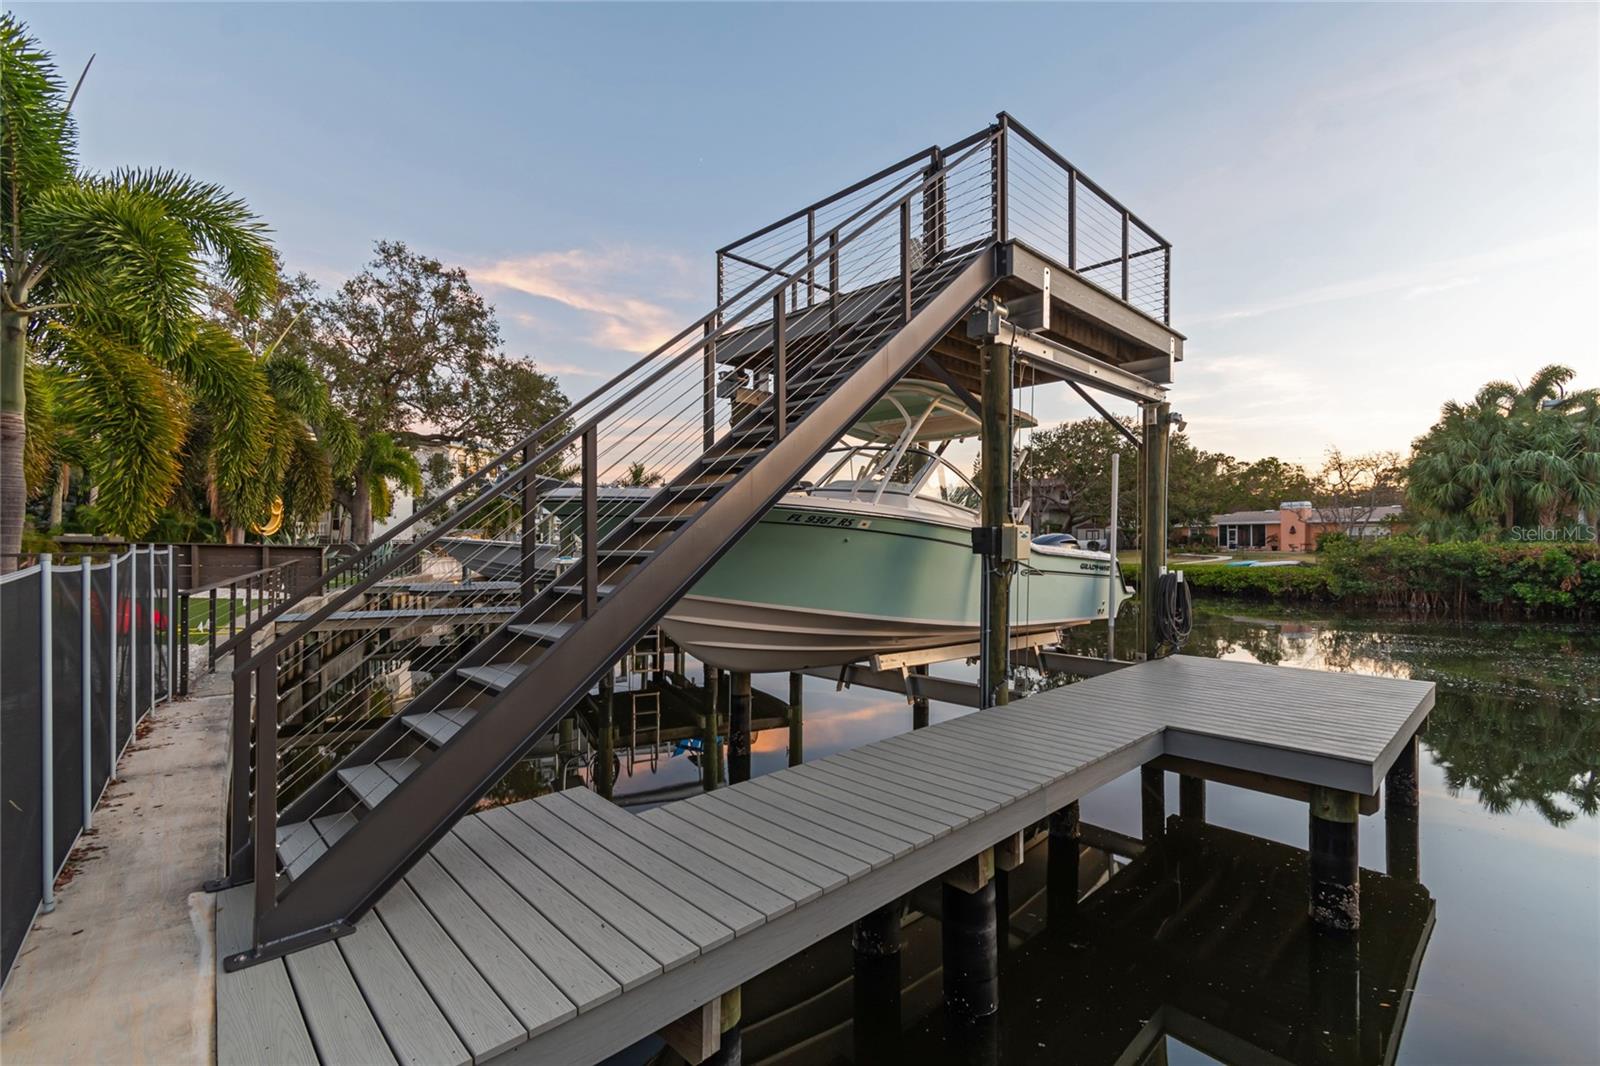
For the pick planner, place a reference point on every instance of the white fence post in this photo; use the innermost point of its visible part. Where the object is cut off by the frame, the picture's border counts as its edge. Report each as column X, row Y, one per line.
column 133, row 641
column 47, row 699
column 172, row 622
column 86, row 640
column 111, row 677
column 150, row 616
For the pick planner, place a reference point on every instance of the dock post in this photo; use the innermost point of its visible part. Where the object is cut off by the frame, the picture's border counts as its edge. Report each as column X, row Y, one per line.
column 1335, row 873
column 1152, row 803
column 731, row 1053
column 970, row 935
column 710, row 739
column 919, row 703
column 1152, row 520
column 995, row 486
column 1192, row 797
column 1402, row 842
column 1061, row 876
column 876, row 992
column 739, row 729
column 797, row 736
column 878, row 933
column 605, row 760
column 1335, row 985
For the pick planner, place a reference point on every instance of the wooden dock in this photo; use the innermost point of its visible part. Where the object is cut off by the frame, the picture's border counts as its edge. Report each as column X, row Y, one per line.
column 564, row 929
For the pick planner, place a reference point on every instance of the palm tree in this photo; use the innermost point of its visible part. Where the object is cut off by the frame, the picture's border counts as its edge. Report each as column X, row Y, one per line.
column 101, row 278
column 637, row 477
column 368, row 493
column 1512, row 455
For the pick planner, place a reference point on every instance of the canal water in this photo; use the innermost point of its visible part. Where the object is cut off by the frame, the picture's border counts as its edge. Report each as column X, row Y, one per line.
column 1195, row 950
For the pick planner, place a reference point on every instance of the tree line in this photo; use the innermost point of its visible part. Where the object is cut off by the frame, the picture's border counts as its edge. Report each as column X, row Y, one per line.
column 1512, row 460
column 163, row 375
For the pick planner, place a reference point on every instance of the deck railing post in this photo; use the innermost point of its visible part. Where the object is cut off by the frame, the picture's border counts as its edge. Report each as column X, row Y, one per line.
column 708, row 389
column 1166, row 284
column 85, row 680
column 833, row 279
column 211, row 637
column 933, row 209
column 811, row 267
column 1072, row 219
column 172, row 622
column 1124, row 255
column 133, row 640
column 591, row 558
column 183, row 645
column 111, row 679
column 905, row 261
column 150, row 616
column 530, row 528
column 999, row 177
column 265, row 834
column 780, row 369
column 47, row 724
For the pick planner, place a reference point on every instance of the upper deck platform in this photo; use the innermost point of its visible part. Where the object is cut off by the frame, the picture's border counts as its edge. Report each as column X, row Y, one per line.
column 563, row 929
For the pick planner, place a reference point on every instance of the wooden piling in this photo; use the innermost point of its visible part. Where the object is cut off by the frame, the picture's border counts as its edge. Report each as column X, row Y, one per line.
column 1152, row 519
column 1334, row 862
column 1401, row 824
column 971, row 951
column 995, row 487
column 605, row 761
column 1152, row 803
column 1192, row 797
column 1061, row 876
column 739, row 729
column 710, row 738
column 797, row 741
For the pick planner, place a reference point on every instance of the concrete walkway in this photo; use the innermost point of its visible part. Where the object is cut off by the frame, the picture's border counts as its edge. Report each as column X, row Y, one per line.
column 124, row 970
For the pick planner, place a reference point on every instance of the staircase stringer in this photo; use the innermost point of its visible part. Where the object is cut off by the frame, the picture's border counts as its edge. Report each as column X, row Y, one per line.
column 383, row 845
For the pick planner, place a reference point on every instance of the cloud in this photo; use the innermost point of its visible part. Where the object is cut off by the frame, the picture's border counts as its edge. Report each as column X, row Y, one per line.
column 619, row 289
column 1413, row 281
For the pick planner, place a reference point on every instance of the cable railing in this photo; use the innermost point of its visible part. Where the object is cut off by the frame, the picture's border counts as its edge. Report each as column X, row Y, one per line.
column 879, row 267
column 802, row 303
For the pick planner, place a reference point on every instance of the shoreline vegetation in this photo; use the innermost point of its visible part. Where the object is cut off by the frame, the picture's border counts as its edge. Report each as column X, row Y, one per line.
column 1450, row 579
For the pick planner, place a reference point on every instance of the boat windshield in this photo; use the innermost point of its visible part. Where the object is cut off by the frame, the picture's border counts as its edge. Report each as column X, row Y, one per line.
column 873, row 472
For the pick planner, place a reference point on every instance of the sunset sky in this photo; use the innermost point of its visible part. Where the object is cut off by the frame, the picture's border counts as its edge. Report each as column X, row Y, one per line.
column 1373, row 208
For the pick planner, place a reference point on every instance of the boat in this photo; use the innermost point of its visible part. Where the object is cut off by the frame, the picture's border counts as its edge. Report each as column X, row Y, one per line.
column 874, row 558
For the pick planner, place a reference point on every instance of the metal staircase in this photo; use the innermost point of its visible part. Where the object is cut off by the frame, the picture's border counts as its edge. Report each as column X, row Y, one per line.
column 731, row 413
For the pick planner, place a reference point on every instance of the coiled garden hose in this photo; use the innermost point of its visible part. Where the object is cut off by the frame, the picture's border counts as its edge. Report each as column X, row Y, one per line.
column 1174, row 609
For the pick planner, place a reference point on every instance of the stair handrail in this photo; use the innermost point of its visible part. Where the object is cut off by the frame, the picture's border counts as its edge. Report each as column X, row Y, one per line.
column 496, row 489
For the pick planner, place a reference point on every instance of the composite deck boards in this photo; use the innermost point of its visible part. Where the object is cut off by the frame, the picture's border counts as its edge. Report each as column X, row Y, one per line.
column 562, row 929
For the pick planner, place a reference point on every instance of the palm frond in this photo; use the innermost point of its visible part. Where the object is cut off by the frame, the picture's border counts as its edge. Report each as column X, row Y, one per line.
column 132, row 419
column 37, row 138
column 221, row 224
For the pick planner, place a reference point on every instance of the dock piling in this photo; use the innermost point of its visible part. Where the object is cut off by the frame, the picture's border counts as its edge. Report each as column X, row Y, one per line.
column 971, row 944
column 1192, row 797
column 1152, row 802
column 1402, row 826
column 797, row 744
column 1061, row 876
column 739, row 729
column 731, row 1053
column 605, row 760
column 1335, row 873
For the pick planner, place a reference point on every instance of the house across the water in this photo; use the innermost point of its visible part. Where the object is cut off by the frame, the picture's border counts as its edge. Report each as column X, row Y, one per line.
column 1297, row 525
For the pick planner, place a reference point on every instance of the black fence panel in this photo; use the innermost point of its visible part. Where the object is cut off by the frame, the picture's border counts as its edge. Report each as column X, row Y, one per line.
column 66, row 738
column 21, row 774
column 102, row 619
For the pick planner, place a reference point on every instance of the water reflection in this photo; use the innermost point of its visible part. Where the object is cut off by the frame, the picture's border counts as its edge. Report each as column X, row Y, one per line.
column 1200, row 940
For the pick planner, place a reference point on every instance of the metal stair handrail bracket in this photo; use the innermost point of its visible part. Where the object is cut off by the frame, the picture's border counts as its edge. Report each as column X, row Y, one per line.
column 726, row 416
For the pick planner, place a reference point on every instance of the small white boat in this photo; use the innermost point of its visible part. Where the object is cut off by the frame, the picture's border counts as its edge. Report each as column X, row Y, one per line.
column 875, row 558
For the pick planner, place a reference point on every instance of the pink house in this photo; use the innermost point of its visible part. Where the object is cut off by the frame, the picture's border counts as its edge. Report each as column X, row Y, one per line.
column 1296, row 525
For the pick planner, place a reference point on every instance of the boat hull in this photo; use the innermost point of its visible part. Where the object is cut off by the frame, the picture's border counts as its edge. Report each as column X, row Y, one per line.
column 815, row 586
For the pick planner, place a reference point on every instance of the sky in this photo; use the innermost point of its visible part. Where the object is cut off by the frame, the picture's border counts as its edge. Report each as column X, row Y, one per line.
column 1373, row 209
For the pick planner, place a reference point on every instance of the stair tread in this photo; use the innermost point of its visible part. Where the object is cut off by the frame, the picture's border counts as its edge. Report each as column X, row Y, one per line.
column 373, row 782
column 577, row 590
column 439, row 726
column 299, row 845
column 540, row 630
column 495, row 677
